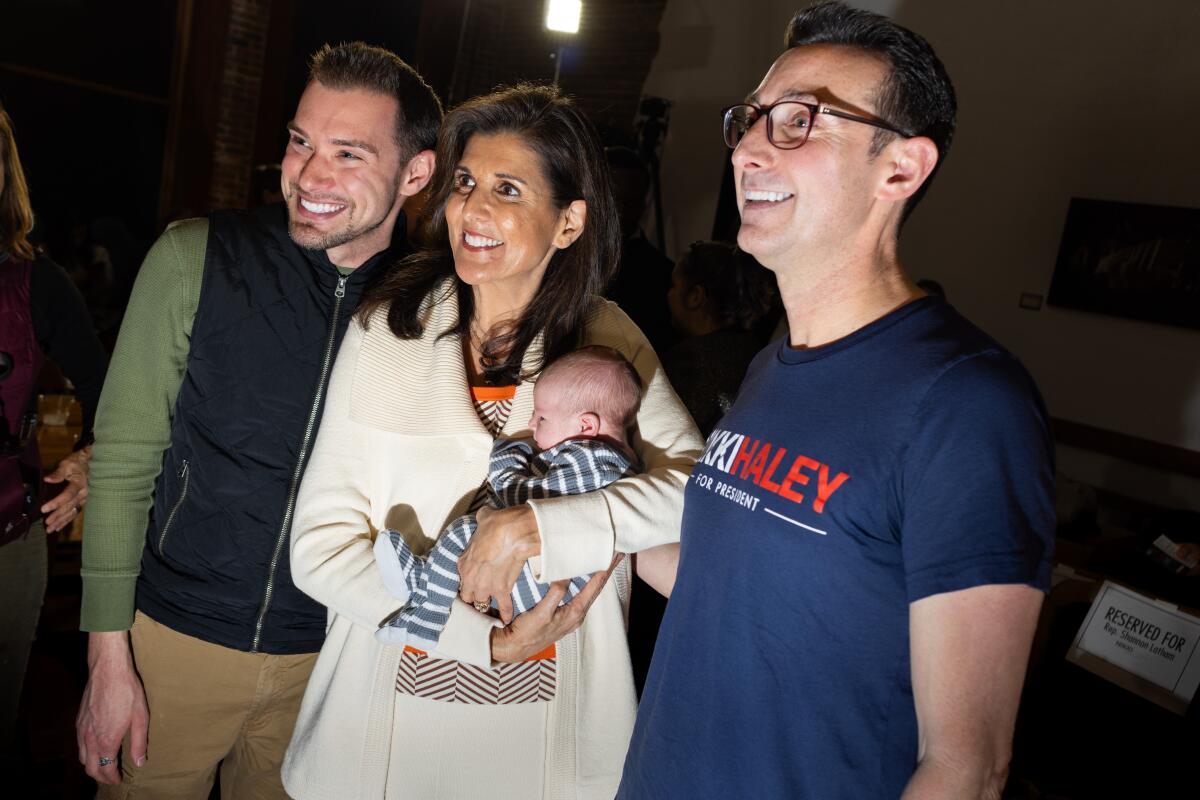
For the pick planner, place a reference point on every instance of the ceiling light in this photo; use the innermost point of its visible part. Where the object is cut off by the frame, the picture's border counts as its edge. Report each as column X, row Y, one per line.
column 563, row 15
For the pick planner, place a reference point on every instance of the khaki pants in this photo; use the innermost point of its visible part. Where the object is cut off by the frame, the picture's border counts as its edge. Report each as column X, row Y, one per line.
column 210, row 706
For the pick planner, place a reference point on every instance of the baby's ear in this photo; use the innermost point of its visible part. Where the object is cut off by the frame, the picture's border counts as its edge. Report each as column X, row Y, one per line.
column 589, row 424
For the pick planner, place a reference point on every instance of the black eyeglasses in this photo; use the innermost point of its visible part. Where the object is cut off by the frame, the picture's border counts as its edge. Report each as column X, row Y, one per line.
column 788, row 122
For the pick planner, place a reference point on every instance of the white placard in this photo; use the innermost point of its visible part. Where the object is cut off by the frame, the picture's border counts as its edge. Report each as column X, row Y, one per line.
column 1153, row 642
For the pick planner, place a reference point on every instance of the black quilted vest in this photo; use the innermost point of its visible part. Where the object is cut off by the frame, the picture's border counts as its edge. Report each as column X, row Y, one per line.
column 269, row 323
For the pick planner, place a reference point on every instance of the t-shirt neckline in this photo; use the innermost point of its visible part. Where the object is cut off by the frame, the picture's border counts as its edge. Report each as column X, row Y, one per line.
column 787, row 354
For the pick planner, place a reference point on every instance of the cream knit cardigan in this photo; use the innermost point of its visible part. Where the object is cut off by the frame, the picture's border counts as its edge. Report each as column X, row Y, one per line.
column 401, row 446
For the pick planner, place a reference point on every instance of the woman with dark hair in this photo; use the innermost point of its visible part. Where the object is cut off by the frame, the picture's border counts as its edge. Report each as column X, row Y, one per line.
column 441, row 360
column 718, row 296
column 41, row 312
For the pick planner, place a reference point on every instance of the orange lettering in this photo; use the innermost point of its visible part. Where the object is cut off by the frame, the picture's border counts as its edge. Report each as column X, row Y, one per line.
column 825, row 487
column 796, row 476
column 743, row 456
column 767, row 483
column 760, row 461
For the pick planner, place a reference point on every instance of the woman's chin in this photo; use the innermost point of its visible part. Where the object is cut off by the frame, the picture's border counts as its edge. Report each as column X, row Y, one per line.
column 471, row 274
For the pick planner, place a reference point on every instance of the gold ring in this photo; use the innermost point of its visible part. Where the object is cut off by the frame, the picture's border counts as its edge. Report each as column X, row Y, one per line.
column 481, row 606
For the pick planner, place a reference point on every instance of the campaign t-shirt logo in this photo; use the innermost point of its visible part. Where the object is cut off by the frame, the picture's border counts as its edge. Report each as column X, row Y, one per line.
column 795, row 477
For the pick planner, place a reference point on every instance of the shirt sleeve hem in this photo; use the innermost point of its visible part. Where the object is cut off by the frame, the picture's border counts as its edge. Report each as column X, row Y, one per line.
column 108, row 603
column 576, row 535
column 467, row 636
column 1003, row 569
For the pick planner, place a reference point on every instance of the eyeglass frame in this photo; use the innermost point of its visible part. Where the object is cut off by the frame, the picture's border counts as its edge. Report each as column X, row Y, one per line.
column 764, row 112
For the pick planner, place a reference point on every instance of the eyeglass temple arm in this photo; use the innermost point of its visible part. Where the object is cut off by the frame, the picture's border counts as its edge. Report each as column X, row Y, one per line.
column 833, row 112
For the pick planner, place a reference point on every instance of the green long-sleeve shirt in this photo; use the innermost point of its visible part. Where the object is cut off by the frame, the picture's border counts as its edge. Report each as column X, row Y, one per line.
column 133, row 421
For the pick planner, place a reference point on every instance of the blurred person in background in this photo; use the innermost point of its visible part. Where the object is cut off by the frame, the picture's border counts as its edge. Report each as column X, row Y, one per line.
column 41, row 314
column 643, row 274
column 266, row 185
column 717, row 296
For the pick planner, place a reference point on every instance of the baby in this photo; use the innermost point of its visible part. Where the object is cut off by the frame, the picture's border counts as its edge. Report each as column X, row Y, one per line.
column 583, row 406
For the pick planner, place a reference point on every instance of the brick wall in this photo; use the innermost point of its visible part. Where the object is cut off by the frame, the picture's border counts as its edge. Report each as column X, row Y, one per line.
column 238, row 96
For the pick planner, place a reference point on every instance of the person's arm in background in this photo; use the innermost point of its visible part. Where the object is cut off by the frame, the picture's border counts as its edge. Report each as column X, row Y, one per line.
column 658, row 566
column 133, row 425
column 969, row 650
column 65, row 333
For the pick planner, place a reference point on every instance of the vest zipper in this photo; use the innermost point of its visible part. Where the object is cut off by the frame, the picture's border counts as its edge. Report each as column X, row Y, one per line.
column 184, row 475
column 338, row 294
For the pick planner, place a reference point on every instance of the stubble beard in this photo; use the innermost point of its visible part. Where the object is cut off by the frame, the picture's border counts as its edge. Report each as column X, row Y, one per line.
column 310, row 238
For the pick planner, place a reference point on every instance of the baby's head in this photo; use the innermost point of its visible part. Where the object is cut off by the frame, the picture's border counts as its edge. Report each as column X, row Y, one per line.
column 590, row 392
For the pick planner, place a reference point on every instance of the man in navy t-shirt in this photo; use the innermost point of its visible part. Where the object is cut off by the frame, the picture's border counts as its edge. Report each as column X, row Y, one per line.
column 867, row 538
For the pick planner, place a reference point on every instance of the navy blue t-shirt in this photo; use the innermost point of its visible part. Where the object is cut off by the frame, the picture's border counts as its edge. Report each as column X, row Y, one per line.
column 908, row 459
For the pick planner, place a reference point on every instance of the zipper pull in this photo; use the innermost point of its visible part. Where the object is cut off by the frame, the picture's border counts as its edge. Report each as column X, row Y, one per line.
column 340, row 291
column 183, row 467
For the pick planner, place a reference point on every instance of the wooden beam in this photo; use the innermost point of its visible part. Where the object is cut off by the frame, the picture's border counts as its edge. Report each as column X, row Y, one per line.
column 55, row 77
column 1169, row 458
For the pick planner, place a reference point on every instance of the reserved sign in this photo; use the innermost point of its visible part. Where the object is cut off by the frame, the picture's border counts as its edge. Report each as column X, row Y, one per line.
column 1141, row 644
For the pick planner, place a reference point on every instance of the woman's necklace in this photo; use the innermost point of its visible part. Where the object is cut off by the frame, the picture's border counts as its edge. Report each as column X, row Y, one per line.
column 473, row 353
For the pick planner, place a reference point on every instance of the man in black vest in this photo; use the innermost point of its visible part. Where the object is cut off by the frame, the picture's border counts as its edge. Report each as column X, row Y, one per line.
column 206, row 421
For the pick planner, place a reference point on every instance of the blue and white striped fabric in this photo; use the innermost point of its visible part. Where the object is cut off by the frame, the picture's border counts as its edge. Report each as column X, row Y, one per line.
column 515, row 474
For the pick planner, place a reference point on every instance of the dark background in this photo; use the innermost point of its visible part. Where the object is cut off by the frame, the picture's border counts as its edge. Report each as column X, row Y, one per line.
column 151, row 110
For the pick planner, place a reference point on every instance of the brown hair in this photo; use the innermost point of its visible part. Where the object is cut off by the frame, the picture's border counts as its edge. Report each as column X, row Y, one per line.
column 573, row 163
column 16, row 214
column 358, row 65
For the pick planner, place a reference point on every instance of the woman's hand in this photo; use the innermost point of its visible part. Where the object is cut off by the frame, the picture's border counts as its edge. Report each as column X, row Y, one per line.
column 502, row 543
column 73, row 469
column 547, row 622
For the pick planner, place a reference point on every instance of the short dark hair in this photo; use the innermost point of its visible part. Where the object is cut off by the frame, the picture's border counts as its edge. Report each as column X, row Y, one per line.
column 573, row 164
column 358, row 65
column 916, row 96
column 739, row 290
column 625, row 158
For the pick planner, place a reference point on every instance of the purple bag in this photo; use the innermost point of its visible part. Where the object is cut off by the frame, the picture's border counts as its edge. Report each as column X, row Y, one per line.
column 20, row 362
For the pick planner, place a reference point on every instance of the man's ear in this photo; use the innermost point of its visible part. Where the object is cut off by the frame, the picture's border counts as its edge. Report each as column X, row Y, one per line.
column 695, row 298
column 589, row 424
column 417, row 172
column 570, row 224
column 910, row 162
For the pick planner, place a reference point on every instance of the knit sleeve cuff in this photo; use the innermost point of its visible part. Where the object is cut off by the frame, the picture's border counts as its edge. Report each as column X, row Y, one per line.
column 576, row 533
column 108, row 602
column 468, row 636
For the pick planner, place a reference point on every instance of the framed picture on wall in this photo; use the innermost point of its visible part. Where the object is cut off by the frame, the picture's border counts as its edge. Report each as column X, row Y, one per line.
column 1130, row 260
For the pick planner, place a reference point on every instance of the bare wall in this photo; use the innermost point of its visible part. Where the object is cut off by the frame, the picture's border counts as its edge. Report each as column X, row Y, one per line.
column 1072, row 98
